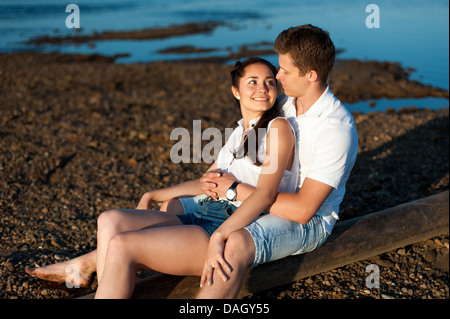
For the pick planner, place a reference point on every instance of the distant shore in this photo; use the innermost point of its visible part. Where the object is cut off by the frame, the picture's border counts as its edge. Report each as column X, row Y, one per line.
column 145, row 34
column 378, row 77
column 81, row 134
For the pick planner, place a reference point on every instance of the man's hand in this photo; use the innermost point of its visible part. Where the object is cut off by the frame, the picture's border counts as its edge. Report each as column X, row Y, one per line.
column 215, row 183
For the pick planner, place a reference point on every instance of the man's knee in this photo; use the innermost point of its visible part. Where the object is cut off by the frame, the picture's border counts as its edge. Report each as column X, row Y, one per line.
column 240, row 248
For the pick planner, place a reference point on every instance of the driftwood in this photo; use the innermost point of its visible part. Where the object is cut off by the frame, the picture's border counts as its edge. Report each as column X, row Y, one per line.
column 352, row 240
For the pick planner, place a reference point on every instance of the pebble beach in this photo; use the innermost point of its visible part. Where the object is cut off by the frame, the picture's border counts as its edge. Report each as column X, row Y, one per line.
column 81, row 134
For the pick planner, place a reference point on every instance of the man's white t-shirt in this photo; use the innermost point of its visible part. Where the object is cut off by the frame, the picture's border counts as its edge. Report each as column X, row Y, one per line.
column 327, row 145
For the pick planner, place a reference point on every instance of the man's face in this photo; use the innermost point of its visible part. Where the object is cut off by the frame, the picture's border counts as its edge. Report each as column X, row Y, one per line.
column 294, row 84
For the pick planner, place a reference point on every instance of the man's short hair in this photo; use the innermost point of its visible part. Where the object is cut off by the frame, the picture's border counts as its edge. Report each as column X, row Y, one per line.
column 310, row 48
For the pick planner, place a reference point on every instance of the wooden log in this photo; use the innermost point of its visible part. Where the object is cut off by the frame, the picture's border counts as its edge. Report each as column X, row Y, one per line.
column 352, row 240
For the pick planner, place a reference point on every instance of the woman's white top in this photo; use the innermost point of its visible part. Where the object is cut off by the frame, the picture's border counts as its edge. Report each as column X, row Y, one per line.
column 242, row 167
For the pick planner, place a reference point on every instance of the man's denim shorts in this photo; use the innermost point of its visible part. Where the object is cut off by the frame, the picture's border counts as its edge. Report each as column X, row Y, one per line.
column 274, row 237
column 206, row 212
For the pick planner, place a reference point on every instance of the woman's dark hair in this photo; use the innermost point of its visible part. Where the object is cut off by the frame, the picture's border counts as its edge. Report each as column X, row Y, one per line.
column 236, row 74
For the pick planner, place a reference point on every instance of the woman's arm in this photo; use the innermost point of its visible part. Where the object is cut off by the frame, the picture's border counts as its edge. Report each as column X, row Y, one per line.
column 189, row 188
column 278, row 153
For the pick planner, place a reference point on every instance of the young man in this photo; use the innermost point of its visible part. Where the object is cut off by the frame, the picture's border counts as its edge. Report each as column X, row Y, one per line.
column 327, row 145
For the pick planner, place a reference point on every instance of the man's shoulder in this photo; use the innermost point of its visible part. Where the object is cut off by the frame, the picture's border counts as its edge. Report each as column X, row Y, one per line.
column 287, row 108
column 336, row 112
column 336, row 121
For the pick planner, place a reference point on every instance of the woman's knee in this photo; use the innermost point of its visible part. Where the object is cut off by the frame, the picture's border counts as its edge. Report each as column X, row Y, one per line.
column 110, row 221
column 118, row 247
column 239, row 248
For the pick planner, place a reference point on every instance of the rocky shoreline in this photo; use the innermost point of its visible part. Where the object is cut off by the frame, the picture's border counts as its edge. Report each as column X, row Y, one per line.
column 81, row 135
column 144, row 34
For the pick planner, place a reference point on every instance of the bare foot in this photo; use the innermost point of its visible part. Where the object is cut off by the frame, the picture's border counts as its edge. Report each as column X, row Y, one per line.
column 73, row 272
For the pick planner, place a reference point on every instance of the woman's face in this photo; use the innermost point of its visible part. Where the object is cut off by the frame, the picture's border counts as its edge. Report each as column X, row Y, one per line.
column 257, row 90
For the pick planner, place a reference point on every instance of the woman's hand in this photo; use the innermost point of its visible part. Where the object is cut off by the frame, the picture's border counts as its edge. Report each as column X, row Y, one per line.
column 215, row 261
column 215, row 183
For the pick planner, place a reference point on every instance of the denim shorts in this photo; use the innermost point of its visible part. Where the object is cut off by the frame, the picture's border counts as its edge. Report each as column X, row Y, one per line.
column 206, row 213
column 275, row 237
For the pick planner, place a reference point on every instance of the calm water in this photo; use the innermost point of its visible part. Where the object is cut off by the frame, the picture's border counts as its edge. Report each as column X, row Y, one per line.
column 414, row 33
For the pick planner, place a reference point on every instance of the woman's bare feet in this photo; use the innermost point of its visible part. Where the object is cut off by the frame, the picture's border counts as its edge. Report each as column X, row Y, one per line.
column 76, row 272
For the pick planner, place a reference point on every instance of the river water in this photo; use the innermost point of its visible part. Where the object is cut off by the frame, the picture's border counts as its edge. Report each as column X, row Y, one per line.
column 412, row 32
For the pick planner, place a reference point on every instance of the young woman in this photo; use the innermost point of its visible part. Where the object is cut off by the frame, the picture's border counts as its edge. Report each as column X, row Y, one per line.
column 175, row 244
column 190, row 240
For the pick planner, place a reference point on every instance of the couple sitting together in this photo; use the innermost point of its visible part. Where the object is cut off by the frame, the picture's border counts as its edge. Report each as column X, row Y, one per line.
column 274, row 190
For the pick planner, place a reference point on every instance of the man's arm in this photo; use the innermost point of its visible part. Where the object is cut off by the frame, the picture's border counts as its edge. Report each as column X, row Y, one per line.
column 302, row 206
column 299, row 207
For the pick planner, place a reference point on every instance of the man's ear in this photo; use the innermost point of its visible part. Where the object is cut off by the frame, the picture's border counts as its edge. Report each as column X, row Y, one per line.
column 235, row 92
column 313, row 76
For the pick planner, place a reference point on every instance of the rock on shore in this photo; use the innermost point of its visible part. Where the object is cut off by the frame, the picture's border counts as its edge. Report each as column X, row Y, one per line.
column 81, row 135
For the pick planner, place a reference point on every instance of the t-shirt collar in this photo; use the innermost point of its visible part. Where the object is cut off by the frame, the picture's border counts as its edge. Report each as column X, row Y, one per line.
column 319, row 106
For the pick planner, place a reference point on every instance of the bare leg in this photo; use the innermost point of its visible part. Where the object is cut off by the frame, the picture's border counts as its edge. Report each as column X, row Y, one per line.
column 239, row 253
column 113, row 222
column 87, row 263
column 177, row 250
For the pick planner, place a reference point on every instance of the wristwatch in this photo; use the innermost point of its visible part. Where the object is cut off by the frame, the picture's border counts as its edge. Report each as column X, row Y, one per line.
column 231, row 192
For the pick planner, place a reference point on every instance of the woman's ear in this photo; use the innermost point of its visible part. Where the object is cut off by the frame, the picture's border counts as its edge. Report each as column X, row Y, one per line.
column 235, row 92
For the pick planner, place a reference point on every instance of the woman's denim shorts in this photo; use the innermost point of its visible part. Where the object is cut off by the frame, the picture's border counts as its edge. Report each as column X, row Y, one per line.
column 206, row 213
column 274, row 237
